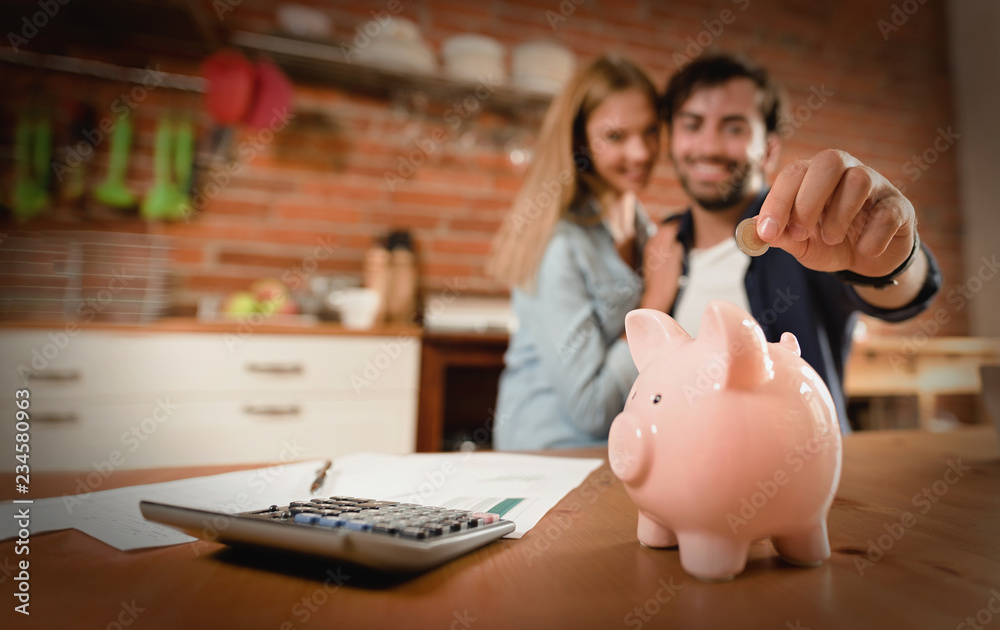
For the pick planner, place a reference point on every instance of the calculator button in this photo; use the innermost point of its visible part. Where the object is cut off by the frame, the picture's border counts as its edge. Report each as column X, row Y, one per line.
column 307, row 518
column 413, row 532
column 487, row 517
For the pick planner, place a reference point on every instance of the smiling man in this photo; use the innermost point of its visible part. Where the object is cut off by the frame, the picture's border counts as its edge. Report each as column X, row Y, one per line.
column 842, row 239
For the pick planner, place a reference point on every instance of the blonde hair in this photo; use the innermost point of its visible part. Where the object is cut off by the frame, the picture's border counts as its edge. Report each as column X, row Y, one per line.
column 561, row 174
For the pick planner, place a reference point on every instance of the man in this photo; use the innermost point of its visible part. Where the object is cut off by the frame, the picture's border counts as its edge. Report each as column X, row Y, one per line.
column 842, row 239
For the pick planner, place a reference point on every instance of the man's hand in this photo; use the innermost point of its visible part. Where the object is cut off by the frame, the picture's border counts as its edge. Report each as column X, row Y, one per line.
column 832, row 213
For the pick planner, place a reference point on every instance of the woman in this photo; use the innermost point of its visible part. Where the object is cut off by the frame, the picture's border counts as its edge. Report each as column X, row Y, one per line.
column 574, row 250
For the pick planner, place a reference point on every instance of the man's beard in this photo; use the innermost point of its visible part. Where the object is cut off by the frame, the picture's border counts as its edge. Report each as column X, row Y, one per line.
column 729, row 193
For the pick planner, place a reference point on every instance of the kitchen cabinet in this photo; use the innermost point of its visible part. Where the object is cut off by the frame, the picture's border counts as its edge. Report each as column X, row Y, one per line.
column 459, row 374
column 140, row 399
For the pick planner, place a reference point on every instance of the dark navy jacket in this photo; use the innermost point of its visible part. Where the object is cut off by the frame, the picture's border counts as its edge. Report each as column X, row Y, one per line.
column 820, row 311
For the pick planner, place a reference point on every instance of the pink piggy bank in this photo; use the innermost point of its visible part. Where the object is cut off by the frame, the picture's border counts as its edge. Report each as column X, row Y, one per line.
column 724, row 440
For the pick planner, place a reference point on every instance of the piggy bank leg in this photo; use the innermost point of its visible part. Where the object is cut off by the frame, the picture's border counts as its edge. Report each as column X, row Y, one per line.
column 808, row 547
column 712, row 557
column 652, row 534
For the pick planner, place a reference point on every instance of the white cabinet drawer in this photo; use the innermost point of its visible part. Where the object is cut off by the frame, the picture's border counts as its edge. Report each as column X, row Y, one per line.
column 94, row 363
column 140, row 399
column 174, row 431
column 52, row 363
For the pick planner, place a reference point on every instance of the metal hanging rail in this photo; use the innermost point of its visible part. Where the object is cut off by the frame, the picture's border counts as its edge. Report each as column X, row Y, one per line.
column 102, row 70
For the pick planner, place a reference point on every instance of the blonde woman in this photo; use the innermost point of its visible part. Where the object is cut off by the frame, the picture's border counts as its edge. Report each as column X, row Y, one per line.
column 579, row 252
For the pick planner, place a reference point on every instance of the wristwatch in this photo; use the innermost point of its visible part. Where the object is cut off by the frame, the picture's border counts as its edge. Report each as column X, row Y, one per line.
column 888, row 280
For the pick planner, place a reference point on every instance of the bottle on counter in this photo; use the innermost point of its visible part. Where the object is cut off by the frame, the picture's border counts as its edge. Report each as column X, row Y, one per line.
column 377, row 275
column 401, row 298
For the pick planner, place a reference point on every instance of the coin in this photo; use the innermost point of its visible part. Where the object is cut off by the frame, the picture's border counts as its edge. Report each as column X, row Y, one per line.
column 747, row 239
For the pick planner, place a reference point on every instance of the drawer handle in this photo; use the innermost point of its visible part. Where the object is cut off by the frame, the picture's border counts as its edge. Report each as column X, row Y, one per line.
column 56, row 418
column 275, row 368
column 272, row 411
column 56, row 376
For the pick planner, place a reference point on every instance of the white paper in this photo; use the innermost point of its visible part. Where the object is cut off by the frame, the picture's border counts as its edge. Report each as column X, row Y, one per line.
column 527, row 486
column 471, row 481
column 113, row 516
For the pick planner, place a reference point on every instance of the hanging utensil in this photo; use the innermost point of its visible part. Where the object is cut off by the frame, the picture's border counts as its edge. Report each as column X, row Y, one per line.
column 32, row 153
column 162, row 196
column 183, row 161
column 113, row 192
column 78, row 153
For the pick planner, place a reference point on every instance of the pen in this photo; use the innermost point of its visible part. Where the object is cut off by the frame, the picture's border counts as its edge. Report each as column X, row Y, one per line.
column 320, row 476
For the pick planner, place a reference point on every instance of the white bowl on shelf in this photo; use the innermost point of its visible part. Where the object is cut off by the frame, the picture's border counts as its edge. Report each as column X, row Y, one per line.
column 303, row 21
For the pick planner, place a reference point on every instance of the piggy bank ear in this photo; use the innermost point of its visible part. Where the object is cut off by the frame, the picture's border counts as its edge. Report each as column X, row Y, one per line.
column 790, row 343
column 650, row 331
column 741, row 347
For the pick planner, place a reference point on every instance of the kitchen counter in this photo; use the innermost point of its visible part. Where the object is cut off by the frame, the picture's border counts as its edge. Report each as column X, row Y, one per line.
column 289, row 326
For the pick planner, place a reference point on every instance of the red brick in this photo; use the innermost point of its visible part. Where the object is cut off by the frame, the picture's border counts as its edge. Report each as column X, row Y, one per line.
column 513, row 184
column 342, row 190
column 401, row 219
column 317, row 211
column 439, row 200
column 235, row 207
column 449, row 270
column 247, row 259
column 187, row 255
column 480, row 247
column 475, row 225
column 471, row 179
column 492, row 204
column 205, row 282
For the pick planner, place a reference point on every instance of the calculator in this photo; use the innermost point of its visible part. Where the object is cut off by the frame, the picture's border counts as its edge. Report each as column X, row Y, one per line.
column 383, row 535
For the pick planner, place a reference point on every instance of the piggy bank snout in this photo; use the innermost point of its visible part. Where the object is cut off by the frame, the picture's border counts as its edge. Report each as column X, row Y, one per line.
column 629, row 448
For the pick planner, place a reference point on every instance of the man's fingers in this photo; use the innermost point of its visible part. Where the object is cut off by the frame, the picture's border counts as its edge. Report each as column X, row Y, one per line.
column 824, row 176
column 851, row 195
column 882, row 224
column 777, row 208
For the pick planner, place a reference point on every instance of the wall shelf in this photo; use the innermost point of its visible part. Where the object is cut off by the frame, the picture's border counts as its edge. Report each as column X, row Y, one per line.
column 324, row 62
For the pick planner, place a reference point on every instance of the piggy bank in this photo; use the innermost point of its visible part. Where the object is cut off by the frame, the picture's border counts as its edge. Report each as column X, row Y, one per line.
column 724, row 440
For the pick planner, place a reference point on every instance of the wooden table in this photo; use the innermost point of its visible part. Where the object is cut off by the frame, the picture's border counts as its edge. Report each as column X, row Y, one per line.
column 919, row 365
column 580, row 567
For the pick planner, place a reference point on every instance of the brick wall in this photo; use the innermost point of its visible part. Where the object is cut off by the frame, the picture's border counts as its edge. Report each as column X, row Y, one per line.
column 858, row 77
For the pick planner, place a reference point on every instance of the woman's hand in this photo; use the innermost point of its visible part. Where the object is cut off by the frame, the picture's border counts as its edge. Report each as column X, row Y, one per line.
column 661, row 268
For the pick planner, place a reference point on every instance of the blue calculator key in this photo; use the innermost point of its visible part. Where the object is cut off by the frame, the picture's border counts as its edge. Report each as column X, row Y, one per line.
column 306, row 518
column 357, row 525
column 330, row 521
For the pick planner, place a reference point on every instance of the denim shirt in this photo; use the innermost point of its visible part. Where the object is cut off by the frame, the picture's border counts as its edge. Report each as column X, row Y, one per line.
column 818, row 309
column 567, row 369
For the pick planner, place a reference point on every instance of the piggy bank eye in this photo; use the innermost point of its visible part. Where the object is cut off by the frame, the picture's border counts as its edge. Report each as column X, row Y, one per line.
column 656, row 398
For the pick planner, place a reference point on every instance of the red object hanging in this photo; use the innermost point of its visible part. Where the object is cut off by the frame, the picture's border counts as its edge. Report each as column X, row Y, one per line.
column 231, row 83
column 272, row 100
